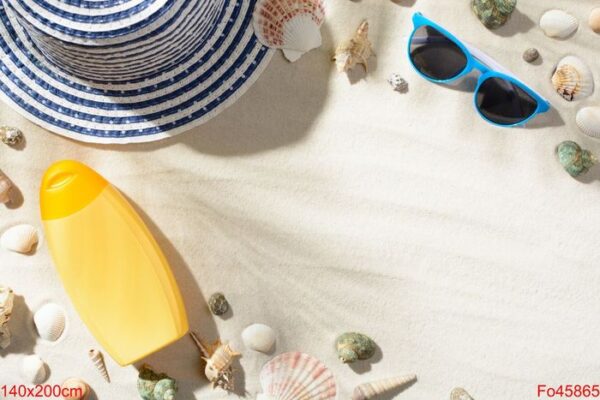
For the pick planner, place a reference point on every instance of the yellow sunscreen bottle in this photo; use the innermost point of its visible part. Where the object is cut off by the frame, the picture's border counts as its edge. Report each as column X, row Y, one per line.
column 112, row 268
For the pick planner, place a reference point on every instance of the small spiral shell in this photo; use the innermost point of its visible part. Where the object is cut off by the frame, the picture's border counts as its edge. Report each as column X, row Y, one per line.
column 98, row 360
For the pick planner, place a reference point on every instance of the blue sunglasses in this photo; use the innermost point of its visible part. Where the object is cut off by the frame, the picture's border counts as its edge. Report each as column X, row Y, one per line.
column 500, row 98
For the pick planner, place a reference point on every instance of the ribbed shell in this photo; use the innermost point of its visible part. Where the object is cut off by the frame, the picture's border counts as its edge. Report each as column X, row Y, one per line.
column 588, row 121
column 291, row 25
column 297, row 376
column 50, row 321
column 19, row 238
column 558, row 24
column 573, row 79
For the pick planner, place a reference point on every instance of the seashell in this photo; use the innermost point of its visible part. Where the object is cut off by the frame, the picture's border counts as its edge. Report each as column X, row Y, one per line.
column 357, row 50
column 594, row 20
column 574, row 159
column 290, row 25
column 530, row 55
column 50, row 321
column 398, row 83
column 493, row 13
column 558, row 24
column 5, row 187
column 7, row 297
column 75, row 389
column 371, row 390
column 20, row 238
column 218, row 304
column 153, row 386
column 297, row 376
column 460, row 394
column 573, row 79
column 10, row 136
column 34, row 369
column 588, row 121
column 259, row 337
column 98, row 360
column 352, row 346
column 219, row 357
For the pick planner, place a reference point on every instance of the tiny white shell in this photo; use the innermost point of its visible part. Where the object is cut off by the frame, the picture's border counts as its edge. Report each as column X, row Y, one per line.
column 588, row 121
column 50, row 321
column 259, row 337
column 20, row 238
column 34, row 370
column 573, row 79
column 558, row 24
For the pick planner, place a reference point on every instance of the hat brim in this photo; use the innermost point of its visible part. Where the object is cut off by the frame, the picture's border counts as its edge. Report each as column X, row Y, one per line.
column 162, row 105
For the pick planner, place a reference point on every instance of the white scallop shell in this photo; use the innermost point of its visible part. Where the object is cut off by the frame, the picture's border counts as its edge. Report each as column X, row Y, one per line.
column 297, row 376
column 290, row 25
column 573, row 79
column 50, row 321
column 34, row 370
column 588, row 121
column 259, row 337
column 558, row 24
column 5, row 187
column 19, row 238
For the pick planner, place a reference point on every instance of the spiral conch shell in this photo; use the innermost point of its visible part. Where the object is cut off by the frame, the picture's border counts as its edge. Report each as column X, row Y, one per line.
column 5, row 188
column 370, row 390
column 357, row 50
column 6, row 306
column 219, row 357
column 573, row 79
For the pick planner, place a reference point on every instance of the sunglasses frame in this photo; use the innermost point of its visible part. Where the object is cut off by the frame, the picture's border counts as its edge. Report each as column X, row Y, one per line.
column 483, row 66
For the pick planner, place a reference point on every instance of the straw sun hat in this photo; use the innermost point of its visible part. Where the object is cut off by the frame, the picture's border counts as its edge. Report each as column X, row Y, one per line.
column 118, row 71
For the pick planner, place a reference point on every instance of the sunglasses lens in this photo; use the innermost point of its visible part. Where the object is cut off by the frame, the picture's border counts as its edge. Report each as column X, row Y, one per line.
column 436, row 56
column 503, row 102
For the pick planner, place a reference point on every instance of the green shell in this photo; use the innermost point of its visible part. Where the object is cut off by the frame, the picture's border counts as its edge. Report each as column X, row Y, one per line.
column 153, row 386
column 574, row 159
column 493, row 13
column 218, row 304
column 352, row 346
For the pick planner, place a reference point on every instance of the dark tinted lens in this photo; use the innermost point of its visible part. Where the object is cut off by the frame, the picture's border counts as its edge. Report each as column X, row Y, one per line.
column 503, row 102
column 435, row 55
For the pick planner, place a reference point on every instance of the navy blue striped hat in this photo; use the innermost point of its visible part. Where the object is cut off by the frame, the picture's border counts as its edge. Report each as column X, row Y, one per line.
column 119, row 71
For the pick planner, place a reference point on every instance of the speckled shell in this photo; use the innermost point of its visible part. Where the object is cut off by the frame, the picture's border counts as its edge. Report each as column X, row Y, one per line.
column 297, row 376
column 10, row 135
column 6, row 307
column 98, row 360
column 50, row 321
column 371, row 390
column 530, row 55
column 290, row 25
column 355, row 51
column 398, row 83
column 588, row 121
column 20, row 238
column 5, row 188
column 573, row 79
column 154, row 386
column 575, row 160
column 34, row 370
column 558, row 24
column 75, row 386
column 352, row 346
column 460, row 394
column 217, row 303
column 493, row 13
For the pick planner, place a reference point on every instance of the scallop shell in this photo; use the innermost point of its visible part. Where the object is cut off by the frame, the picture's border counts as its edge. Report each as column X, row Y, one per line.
column 460, row 394
column 558, row 24
column 50, row 321
column 20, row 238
column 259, row 337
column 573, row 79
column 370, row 390
column 7, row 297
column 75, row 389
column 34, row 369
column 588, row 121
column 290, row 25
column 297, row 376
column 98, row 360
column 5, row 187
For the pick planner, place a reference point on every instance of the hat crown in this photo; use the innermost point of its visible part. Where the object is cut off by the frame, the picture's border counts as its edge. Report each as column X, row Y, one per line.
column 117, row 41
